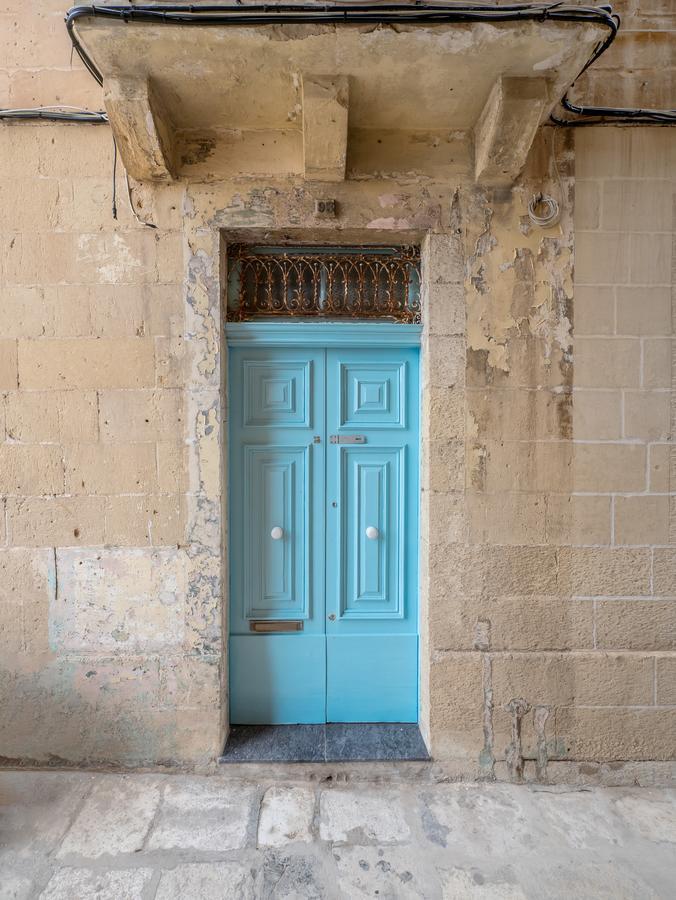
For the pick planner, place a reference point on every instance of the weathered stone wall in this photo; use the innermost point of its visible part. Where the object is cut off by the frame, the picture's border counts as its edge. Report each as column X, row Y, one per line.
column 109, row 646
column 552, row 605
column 547, row 552
column 623, row 428
column 639, row 68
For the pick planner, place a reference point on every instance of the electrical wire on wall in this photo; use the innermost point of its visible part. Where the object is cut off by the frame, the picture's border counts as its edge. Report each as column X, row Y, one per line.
column 78, row 114
column 255, row 14
column 57, row 114
column 352, row 13
column 611, row 115
column 387, row 13
column 355, row 12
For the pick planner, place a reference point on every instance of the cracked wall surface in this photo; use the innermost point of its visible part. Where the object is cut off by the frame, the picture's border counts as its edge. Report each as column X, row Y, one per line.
column 548, row 543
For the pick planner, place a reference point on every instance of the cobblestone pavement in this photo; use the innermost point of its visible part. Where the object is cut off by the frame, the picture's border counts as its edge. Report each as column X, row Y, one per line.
column 75, row 836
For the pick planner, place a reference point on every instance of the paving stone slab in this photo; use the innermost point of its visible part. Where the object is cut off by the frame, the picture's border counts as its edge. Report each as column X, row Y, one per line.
column 477, row 821
column 286, row 816
column 362, row 817
column 14, row 887
column 649, row 813
column 83, row 884
column 115, row 818
column 386, row 872
column 584, row 879
column 293, row 876
column 461, row 884
column 34, row 820
column 206, row 881
column 196, row 838
column 206, row 814
column 579, row 819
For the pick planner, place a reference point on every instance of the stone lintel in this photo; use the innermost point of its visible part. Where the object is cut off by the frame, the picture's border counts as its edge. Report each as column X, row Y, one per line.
column 325, row 109
column 141, row 128
column 506, row 128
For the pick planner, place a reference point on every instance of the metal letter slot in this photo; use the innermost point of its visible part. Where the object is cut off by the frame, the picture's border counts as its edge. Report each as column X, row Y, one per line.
column 267, row 626
column 348, row 438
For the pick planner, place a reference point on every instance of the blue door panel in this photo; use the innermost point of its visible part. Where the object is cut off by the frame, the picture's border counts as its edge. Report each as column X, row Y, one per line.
column 323, row 477
column 372, row 394
column 276, row 392
column 276, row 487
column 277, row 679
column 371, row 533
column 372, row 678
column 276, row 491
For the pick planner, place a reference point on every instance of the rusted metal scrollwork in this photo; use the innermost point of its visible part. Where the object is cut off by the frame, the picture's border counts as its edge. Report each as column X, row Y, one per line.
column 323, row 282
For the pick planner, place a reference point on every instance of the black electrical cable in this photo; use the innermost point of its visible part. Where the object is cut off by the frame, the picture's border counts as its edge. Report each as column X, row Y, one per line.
column 114, row 192
column 56, row 114
column 599, row 115
column 259, row 14
column 256, row 14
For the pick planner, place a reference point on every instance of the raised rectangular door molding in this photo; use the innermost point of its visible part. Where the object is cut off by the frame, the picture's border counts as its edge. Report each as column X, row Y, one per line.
column 323, row 531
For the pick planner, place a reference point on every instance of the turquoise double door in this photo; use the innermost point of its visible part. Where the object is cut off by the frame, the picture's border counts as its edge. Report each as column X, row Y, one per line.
column 323, row 486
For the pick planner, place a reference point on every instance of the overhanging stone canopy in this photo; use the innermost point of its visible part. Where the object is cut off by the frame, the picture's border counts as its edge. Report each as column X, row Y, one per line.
column 329, row 100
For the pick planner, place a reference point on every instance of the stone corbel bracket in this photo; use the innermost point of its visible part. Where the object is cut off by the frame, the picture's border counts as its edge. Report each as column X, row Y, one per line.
column 141, row 128
column 506, row 128
column 325, row 112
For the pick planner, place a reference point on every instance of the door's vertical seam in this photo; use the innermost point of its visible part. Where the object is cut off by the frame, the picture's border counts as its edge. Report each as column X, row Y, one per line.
column 326, row 548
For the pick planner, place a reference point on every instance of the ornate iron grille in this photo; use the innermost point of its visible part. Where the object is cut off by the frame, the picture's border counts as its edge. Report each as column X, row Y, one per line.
column 324, row 282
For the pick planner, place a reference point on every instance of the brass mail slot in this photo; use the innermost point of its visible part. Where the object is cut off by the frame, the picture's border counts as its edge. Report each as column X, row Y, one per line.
column 267, row 626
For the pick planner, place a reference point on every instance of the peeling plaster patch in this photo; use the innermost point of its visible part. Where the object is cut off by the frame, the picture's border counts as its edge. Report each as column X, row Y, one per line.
column 540, row 716
column 202, row 296
column 204, row 412
column 295, row 113
column 460, row 40
column 188, row 206
column 390, row 223
column 519, row 281
column 197, row 151
column 114, row 262
column 386, row 200
column 517, row 709
column 487, row 755
column 203, row 607
column 552, row 62
column 424, row 218
column 254, row 212
column 109, row 600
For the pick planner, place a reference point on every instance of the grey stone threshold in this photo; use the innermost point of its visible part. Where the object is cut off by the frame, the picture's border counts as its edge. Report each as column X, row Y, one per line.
column 333, row 742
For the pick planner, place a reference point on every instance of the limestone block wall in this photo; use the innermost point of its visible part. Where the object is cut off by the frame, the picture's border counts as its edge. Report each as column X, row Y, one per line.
column 623, row 429
column 639, row 69
column 552, row 616
column 102, row 654
column 548, row 566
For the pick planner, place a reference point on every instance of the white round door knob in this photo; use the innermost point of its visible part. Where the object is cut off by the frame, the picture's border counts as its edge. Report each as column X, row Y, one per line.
column 372, row 533
column 277, row 533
